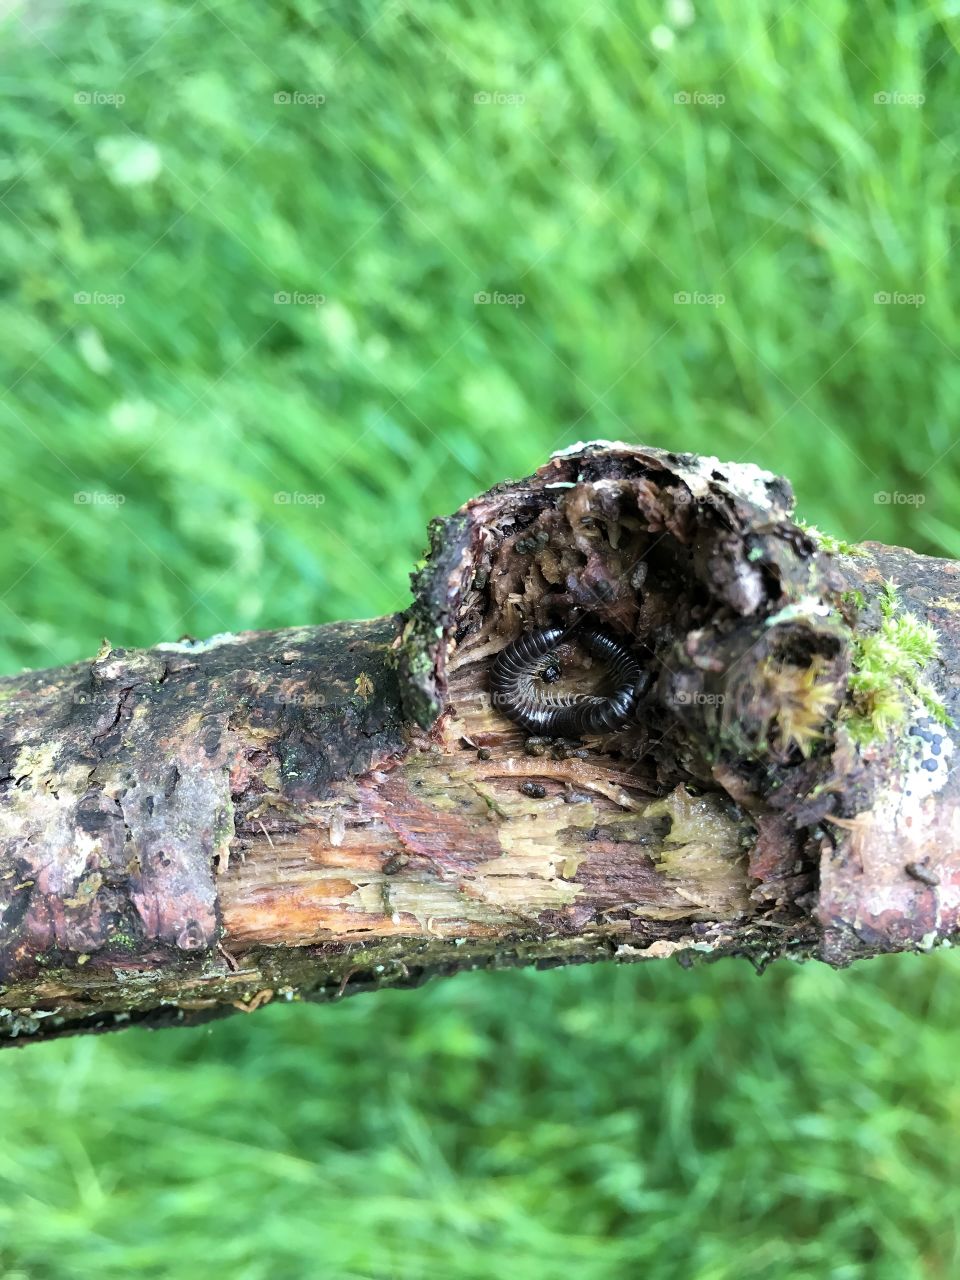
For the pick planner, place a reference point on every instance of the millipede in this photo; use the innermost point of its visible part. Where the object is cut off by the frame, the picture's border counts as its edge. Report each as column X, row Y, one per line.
column 519, row 671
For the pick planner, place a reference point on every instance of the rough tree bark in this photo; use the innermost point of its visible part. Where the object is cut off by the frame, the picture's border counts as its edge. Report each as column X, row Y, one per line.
column 206, row 826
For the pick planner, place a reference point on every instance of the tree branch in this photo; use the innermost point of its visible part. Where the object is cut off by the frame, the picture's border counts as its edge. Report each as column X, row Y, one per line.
column 203, row 827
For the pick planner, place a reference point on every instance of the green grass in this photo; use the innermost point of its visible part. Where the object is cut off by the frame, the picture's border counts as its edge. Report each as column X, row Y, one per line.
column 592, row 1124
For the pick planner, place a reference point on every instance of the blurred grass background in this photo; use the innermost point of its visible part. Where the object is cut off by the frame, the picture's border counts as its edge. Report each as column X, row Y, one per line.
column 600, row 1123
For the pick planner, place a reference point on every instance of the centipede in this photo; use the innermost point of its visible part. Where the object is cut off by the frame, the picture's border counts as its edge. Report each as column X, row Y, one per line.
column 520, row 671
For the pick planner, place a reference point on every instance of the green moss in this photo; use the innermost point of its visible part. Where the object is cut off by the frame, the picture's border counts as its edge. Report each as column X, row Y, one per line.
column 827, row 541
column 123, row 940
column 887, row 680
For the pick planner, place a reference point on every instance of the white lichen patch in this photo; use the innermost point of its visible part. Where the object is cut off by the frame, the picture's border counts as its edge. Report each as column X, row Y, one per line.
column 741, row 479
column 202, row 646
column 928, row 748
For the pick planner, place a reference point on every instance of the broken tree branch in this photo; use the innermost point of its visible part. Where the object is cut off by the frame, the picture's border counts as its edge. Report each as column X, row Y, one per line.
column 206, row 826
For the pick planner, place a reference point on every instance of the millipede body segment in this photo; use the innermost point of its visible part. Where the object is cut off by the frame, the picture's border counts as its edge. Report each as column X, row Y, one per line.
column 519, row 672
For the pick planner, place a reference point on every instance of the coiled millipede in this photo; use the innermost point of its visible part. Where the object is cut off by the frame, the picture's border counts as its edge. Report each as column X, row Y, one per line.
column 519, row 669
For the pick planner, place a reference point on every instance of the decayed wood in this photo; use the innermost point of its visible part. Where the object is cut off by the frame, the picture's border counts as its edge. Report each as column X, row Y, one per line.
column 302, row 814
